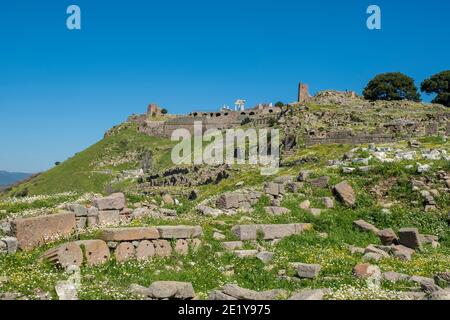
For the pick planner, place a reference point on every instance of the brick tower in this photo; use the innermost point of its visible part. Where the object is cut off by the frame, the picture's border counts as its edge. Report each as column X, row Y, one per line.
column 303, row 94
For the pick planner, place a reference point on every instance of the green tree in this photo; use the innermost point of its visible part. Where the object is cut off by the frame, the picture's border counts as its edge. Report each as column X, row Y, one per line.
column 164, row 111
column 279, row 104
column 438, row 84
column 391, row 86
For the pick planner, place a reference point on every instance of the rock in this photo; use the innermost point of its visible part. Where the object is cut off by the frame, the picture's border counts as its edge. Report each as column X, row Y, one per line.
column 65, row 255
column 145, row 250
column 162, row 248
column 179, row 232
column 276, row 211
column 442, row 295
column 194, row 244
column 365, row 226
column 182, row 247
column 142, row 212
column 322, row 182
column 409, row 237
column 33, row 232
column 228, row 201
column 315, row 294
column 124, row 251
column 273, row 189
column 442, row 278
column 108, row 217
column 328, row 202
column 218, row 295
column 96, row 252
column 293, row 187
column 422, row 280
column 232, row 245
column 81, row 223
column 394, row 276
column 423, row 168
column 78, row 209
column 308, row 271
column 171, row 290
column 246, row 294
column 388, row 237
column 354, row 250
column 366, row 270
column 66, row 290
column 208, row 211
column 305, row 205
column 429, row 287
column 115, row 201
column 315, row 212
column 265, row 256
column 218, row 236
column 245, row 253
column 11, row 244
column 402, row 252
column 373, row 249
column 303, row 175
column 345, row 193
column 129, row 234
column 348, row 169
column 269, row 231
column 167, row 199
column 138, row 290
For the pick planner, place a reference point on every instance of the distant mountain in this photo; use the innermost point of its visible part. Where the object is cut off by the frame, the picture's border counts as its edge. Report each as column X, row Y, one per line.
column 7, row 178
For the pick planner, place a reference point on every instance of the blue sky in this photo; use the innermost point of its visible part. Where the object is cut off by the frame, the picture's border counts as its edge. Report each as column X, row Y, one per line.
column 60, row 90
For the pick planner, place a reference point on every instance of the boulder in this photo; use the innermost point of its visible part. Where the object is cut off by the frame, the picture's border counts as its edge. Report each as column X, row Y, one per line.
column 388, row 237
column 181, row 247
column 33, row 232
column 11, row 244
column 307, row 294
column 394, row 276
column 303, row 175
column 162, row 248
column 265, row 256
column 345, row 193
column 276, row 211
column 245, row 253
column 410, row 238
column 232, row 245
column 129, row 234
column 322, row 182
column 228, row 201
column 304, row 205
column 373, row 249
column 315, row 212
column 308, row 271
column 145, row 250
column 96, row 252
column 179, row 232
column 328, row 202
column 218, row 236
column 402, row 252
column 273, row 189
column 366, row 270
column 208, row 211
column 219, row 295
column 115, row 201
column 124, row 251
column 171, row 290
column 66, row 290
column 239, row 293
column 365, row 226
column 65, row 255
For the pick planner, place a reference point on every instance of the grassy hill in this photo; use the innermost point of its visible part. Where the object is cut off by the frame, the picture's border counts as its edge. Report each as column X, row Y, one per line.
column 96, row 167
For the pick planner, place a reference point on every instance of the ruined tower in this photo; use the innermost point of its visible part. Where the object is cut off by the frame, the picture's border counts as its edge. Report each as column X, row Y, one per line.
column 303, row 94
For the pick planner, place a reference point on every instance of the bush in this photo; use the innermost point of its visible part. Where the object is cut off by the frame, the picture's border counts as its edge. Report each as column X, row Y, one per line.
column 164, row 111
column 391, row 86
column 438, row 84
column 279, row 104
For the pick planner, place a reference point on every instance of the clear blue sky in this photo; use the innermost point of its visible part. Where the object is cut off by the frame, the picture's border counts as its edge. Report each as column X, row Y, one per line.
column 60, row 90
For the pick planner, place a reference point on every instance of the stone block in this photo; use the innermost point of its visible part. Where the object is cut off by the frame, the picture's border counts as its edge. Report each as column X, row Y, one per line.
column 115, row 201
column 129, row 234
column 179, row 232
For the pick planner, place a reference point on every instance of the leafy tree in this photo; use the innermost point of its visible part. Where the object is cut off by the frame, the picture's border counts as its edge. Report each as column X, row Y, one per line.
column 391, row 86
column 164, row 111
column 440, row 85
column 57, row 163
column 279, row 104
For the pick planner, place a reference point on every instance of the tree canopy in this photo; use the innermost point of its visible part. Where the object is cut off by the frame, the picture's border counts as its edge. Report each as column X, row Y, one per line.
column 438, row 84
column 391, row 86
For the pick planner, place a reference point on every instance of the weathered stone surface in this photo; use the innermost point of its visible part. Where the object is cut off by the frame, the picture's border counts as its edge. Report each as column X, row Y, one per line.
column 345, row 193
column 388, row 237
column 246, row 294
column 181, row 247
column 372, row 256
column 219, row 295
column 145, row 250
column 245, row 253
column 394, row 276
column 315, row 212
column 245, row 232
column 129, row 234
column 314, row 294
column 265, row 256
column 66, row 290
column 284, row 179
column 11, row 243
column 366, row 270
column 373, row 249
column 171, row 290
column 228, row 201
column 115, row 201
column 33, row 232
column 124, row 251
column 308, row 271
column 421, row 280
column 167, row 199
column 194, row 244
column 269, row 231
column 65, row 255
column 365, row 226
column 442, row 277
column 322, row 182
column 276, row 211
column 142, row 212
column 138, row 290
column 409, row 237
column 304, row 205
column 402, row 252
column 208, row 211
column 162, row 248
column 81, row 223
column 328, row 202
column 232, row 245
column 179, row 232
column 441, row 295
column 108, row 217
column 96, row 252
column 303, row 175
column 78, row 209
column 218, row 236
column 272, row 188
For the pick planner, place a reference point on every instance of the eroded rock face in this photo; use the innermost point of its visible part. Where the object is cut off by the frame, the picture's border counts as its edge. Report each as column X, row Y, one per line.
column 33, row 232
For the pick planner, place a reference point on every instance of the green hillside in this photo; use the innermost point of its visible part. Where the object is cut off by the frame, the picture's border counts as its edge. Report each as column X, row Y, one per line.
column 94, row 168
